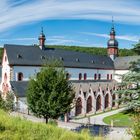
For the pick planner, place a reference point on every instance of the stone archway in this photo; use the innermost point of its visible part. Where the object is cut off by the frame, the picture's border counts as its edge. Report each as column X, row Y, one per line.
column 113, row 100
column 78, row 108
column 98, row 103
column 89, row 104
column 106, row 101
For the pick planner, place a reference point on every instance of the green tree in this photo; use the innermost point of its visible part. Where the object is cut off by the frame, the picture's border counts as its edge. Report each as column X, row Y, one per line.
column 137, row 48
column 130, row 91
column 49, row 94
column 7, row 104
column 130, row 87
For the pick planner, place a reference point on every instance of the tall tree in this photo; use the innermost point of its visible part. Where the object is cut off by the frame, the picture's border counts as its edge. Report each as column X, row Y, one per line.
column 137, row 48
column 130, row 91
column 130, row 87
column 49, row 94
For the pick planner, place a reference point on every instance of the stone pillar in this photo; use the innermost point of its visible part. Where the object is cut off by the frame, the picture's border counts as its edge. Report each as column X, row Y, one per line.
column 66, row 117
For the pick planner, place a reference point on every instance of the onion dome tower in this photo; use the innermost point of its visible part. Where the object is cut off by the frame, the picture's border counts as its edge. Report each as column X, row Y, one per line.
column 112, row 44
column 42, row 39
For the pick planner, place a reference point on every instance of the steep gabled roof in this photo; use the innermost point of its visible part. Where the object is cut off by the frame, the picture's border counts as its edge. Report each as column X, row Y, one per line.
column 34, row 56
column 123, row 63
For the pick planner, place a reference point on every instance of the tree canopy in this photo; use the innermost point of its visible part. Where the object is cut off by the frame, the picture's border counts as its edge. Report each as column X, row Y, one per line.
column 49, row 94
column 137, row 48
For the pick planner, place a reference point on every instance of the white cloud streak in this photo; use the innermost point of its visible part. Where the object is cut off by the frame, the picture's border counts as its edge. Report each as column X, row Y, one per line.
column 25, row 11
column 121, row 37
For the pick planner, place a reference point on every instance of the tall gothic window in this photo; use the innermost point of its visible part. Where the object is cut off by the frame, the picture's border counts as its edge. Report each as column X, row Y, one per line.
column 95, row 76
column 107, row 76
column 85, row 76
column 111, row 76
column 99, row 76
column 80, row 76
column 67, row 76
column 20, row 76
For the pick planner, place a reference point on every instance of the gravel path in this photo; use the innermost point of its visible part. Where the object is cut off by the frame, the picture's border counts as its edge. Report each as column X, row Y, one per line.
column 98, row 119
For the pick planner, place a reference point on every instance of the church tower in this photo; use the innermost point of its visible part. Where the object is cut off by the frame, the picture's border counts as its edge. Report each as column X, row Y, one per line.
column 42, row 39
column 112, row 44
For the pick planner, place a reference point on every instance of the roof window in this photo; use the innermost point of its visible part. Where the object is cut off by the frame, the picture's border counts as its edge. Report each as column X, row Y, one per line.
column 77, row 59
column 19, row 56
column 92, row 61
column 61, row 58
column 42, row 57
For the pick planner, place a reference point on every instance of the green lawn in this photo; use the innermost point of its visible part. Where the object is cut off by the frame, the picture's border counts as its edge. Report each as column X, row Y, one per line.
column 120, row 119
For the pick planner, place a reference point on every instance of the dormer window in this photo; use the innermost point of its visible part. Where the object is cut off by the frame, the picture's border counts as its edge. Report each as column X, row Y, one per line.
column 61, row 58
column 92, row 61
column 19, row 56
column 20, row 76
column 42, row 57
column 77, row 59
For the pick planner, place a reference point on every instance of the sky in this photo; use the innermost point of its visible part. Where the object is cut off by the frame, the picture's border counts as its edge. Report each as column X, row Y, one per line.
column 69, row 22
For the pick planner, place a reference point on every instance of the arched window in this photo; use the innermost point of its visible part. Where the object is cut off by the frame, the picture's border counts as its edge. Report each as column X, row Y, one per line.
column 5, row 77
column 5, row 58
column 95, row 76
column 89, row 104
column 113, row 100
column 20, row 76
column 67, row 76
column 110, row 76
column 85, row 76
column 98, row 103
column 99, row 76
column 78, row 108
column 107, row 76
column 80, row 76
column 106, row 101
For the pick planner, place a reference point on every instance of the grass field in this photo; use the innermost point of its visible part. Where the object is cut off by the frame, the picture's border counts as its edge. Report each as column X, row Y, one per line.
column 120, row 119
column 15, row 128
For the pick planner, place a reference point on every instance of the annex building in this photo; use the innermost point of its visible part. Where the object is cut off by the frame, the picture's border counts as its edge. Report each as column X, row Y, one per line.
column 93, row 76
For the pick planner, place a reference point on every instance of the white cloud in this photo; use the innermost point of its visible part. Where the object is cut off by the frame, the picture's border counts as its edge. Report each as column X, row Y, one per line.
column 24, row 11
column 132, row 38
column 18, row 39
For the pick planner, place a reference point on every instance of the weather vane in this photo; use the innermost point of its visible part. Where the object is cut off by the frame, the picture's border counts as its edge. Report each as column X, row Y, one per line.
column 112, row 22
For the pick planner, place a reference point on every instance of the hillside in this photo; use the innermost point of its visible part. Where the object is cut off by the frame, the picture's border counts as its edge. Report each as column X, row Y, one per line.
column 94, row 50
column 15, row 128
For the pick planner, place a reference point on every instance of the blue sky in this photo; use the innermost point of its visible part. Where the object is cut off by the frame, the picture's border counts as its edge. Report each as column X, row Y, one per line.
column 69, row 22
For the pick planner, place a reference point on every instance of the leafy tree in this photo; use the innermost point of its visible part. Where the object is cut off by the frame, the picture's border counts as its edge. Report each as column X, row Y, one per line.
column 8, row 103
column 49, row 94
column 130, row 91
column 137, row 48
column 130, row 87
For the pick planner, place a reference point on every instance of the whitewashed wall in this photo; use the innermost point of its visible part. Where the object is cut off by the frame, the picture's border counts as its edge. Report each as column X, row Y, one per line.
column 29, row 71
column 119, row 72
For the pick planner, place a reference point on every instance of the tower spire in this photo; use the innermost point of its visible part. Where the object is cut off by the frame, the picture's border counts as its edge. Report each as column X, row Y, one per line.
column 42, row 39
column 112, row 22
column 112, row 43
